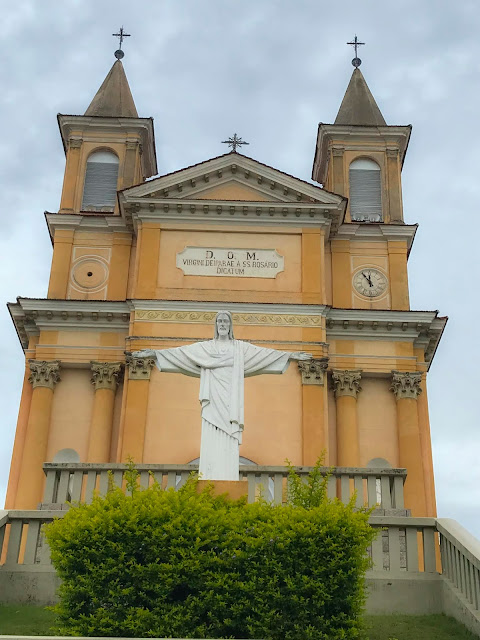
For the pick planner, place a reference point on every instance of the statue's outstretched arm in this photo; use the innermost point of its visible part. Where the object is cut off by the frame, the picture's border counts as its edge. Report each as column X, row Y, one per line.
column 300, row 355
column 144, row 353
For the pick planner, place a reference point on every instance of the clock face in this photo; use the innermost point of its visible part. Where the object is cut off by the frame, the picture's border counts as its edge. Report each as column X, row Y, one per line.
column 370, row 282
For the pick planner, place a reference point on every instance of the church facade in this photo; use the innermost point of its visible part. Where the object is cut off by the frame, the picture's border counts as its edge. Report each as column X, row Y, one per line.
column 142, row 262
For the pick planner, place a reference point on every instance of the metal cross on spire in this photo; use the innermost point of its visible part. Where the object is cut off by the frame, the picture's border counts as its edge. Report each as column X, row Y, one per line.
column 121, row 35
column 355, row 44
column 234, row 142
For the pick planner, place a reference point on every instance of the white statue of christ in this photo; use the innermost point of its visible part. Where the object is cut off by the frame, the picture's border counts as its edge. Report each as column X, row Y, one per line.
column 221, row 364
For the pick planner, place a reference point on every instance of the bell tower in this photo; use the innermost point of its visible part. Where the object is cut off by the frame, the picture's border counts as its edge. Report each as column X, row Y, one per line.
column 360, row 157
column 107, row 149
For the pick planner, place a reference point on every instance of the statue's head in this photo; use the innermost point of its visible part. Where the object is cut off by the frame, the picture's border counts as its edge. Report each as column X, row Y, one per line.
column 224, row 325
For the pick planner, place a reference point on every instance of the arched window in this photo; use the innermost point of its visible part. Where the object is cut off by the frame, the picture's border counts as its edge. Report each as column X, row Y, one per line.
column 100, row 189
column 365, row 191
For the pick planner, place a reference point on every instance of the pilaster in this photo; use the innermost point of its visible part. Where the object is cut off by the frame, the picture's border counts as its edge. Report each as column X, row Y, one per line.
column 105, row 378
column 314, row 404
column 136, row 405
column 43, row 377
column 346, row 385
column 406, row 387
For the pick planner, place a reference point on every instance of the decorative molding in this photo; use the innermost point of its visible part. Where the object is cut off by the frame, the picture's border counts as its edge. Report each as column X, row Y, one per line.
column 392, row 152
column 183, row 210
column 105, row 375
column 313, row 370
column 346, row 382
column 244, row 169
column 139, row 368
column 44, row 374
column 406, row 384
column 279, row 320
column 91, row 126
column 379, row 232
column 75, row 143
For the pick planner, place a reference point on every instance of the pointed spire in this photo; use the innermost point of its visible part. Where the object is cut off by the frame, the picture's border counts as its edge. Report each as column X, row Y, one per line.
column 358, row 105
column 114, row 98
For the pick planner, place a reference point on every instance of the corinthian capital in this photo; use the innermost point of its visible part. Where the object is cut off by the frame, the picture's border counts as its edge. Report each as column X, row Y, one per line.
column 105, row 375
column 139, row 368
column 406, row 384
column 43, row 373
column 346, row 382
column 313, row 370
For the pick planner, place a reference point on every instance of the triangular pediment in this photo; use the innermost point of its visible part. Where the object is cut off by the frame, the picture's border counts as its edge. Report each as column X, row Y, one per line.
column 231, row 177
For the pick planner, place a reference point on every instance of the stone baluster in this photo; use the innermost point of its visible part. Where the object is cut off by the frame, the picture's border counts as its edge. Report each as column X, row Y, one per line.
column 105, row 376
column 43, row 377
column 406, row 387
column 346, row 384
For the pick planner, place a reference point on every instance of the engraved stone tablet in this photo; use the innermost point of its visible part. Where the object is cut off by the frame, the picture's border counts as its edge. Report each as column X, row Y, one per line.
column 240, row 263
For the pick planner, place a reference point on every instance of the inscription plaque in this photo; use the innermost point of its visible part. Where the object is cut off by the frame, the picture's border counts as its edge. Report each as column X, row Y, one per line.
column 240, row 263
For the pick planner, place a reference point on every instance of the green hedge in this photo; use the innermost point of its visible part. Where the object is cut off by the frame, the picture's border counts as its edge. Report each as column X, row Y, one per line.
column 190, row 565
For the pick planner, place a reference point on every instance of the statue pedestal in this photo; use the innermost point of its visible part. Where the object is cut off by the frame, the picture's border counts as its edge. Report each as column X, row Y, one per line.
column 234, row 488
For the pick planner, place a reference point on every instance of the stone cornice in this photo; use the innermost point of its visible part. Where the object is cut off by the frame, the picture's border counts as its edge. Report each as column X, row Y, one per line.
column 142, row 126
column 105, row 375
column 241, row 168
column 354, row 137
column 106, row 223
column 31, row 315
column 378, row 232
column 422, row 328
column 229, row 212
column 44, row 374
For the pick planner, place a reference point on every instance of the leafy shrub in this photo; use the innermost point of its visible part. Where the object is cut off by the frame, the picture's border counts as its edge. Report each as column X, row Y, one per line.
column 191, row 565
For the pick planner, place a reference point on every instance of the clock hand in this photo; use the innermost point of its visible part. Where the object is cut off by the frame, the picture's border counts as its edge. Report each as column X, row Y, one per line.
column 368, row 279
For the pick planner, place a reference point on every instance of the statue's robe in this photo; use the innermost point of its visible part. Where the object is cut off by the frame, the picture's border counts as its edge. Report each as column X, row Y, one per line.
column 221, row 366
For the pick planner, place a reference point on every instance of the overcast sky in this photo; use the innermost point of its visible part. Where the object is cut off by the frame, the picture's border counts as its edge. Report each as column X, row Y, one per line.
column 270, row 71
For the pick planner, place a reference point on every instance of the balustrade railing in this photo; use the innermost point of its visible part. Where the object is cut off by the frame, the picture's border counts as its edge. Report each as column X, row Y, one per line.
column 403, row 543
column 77, row 482
column 460, row 559
column 22, row 543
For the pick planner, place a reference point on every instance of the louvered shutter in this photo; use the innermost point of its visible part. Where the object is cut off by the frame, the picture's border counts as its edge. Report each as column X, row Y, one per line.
column 100, row 189
column 365, row 191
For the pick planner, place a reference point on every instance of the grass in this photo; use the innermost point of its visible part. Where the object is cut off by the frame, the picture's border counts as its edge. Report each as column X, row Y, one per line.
column 17, row 620
column 398, row 627
column 34, row 620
